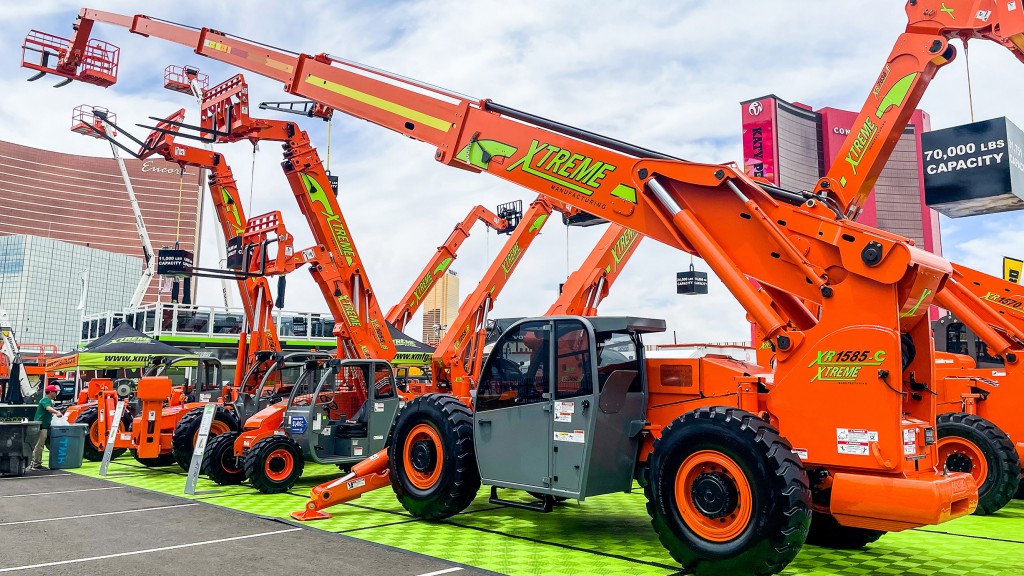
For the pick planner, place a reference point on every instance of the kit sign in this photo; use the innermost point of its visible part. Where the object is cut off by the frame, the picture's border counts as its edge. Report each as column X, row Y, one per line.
column 975, row 168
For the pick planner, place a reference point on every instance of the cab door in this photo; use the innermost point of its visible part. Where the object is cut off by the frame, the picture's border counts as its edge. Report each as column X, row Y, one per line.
column 512, row 416
column 384, row 405
column 574, row 405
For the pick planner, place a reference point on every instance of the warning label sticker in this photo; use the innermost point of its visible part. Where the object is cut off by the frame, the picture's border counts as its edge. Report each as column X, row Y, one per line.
column 564, row 411
column 910, row 442
column 801, row 453
column 855, row 441
column 574, row 436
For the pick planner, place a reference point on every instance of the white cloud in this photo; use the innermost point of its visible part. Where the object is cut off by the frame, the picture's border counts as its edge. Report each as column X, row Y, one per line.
column 668, row 76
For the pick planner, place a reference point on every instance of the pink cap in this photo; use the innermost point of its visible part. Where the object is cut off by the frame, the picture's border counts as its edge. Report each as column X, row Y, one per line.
column 52, row 388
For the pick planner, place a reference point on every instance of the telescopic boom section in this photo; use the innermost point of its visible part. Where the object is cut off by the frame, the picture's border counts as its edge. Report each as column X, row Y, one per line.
column 401, row 313
column 341, row 276
column 917, row 55
column 586, row 287
column 459, row 355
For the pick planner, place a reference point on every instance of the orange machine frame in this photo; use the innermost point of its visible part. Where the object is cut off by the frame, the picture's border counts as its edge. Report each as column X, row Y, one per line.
column 834, row 372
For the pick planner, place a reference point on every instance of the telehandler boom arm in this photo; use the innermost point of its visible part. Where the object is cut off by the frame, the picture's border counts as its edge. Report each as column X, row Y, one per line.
column 400, row 314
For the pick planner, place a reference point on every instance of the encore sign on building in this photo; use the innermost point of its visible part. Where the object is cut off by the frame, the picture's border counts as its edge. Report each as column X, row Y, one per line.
column 975, row 168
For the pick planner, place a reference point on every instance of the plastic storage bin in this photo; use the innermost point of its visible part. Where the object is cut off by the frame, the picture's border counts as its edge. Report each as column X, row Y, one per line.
column 17, row 439
column 66, row 446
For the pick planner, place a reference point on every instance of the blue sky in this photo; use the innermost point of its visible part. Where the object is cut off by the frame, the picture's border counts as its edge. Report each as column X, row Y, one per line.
column 665, row 75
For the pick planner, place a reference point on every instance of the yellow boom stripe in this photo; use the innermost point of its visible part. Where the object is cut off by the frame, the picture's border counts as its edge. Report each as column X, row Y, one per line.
column 369, row 99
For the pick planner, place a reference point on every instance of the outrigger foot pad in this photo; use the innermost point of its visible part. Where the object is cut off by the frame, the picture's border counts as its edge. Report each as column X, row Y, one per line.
column 310, row 514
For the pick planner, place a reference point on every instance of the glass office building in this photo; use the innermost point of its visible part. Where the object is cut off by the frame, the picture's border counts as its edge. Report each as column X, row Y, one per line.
column 792, row 145
column 42, row 281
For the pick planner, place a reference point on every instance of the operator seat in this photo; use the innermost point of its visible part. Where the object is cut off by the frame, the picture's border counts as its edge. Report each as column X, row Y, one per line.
column 356, row 427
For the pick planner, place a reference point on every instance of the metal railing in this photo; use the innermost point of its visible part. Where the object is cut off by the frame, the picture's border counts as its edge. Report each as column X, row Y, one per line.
column 164, row 319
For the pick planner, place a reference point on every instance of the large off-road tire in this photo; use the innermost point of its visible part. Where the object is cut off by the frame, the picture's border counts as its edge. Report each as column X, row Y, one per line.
column 274, row 464
column 827, row 532
column 183, row 441
column 726, row 493
column 972, row 444
column 92, row 451
column 219, row 461
column 164, row 459
column 431, row 457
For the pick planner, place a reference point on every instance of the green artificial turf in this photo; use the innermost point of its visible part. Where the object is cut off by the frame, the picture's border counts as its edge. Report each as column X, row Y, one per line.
column 608, row 535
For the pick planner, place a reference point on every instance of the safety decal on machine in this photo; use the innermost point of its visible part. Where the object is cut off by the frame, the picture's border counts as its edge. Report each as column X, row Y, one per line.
column 801, row 453
column 855, row 441
column 317, row 421
column 564, row 411
column 357, row 450
column 356, row 484
column 378, row 406
column 126, row 437
column 574, row 436
column 910, row 441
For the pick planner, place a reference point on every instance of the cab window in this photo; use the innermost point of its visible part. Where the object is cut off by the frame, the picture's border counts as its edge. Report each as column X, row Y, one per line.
column 572, row 360
column 617, row 351
column 517, row 369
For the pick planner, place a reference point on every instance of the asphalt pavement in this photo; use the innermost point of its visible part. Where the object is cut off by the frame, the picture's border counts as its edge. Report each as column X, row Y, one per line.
column 57, row 523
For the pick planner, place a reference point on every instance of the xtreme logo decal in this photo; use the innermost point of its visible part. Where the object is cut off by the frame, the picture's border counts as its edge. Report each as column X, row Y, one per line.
column 341, row 239
column 571, row 173
column 893, row 98
column 351, row 316
column 622, row 245
column 229, row 206
column 844, row 365
column 574, row 171
column 427, row 282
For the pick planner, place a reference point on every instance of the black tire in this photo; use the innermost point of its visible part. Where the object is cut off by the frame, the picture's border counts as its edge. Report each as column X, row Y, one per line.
column 91, row 451
column 183, row 440
column 164, row 459
column 219, row 461
column 1002, row 479
column 827, row 532
column 776, row 484
column 457, row 480
column 271, row 471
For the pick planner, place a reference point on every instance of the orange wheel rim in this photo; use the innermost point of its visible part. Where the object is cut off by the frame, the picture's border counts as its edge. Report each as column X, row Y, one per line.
column 279, row 465
column 423, row 455
column 961, row 455
column 713, row 496
column 216, row 427
column 94, row 432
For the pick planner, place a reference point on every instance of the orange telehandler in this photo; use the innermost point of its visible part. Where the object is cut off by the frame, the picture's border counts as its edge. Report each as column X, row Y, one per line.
column 714, row 450
column 978, row 408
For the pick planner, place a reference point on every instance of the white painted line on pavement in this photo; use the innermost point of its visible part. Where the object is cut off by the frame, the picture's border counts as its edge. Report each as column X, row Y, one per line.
column 146, row 551
column 31, row 477
column 63, row 492
column 98, row 514
column 439, row 572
